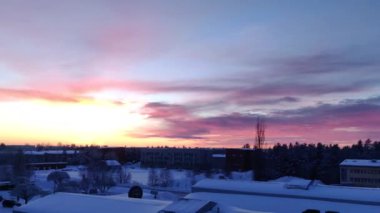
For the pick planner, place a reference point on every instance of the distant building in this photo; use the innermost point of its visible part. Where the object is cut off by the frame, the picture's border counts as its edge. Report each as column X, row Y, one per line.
column 122, row 154
column 178, row 158
column 239, row 159
column 46, row 165
column 48, row 156
column 218, row 161
column 358, row 172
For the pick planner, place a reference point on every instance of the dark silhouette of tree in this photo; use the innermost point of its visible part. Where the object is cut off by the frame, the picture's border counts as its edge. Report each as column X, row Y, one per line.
column 260, row 133
column 25, row 191
column 58, row 177
column 135, row 192
column 246, row 146
column 311, row 161
column 166, row 178
column 20, row 171
column 153, row 180
column 258, row 154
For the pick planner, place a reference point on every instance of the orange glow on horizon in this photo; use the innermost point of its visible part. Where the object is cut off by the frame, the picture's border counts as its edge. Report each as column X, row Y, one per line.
column 86, row 122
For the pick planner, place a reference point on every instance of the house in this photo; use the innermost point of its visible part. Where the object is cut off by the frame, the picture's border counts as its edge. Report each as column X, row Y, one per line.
column 359, row 172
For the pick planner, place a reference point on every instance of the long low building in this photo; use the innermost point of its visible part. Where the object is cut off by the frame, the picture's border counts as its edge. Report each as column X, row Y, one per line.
column 288, row 197
column 80, row 203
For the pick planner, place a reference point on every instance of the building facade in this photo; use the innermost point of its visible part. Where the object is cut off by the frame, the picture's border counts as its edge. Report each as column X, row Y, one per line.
column 355, row 172
column 239, row 159
column 178, row 158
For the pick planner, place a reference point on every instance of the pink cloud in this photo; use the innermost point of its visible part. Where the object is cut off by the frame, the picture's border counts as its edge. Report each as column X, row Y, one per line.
column 22, row 94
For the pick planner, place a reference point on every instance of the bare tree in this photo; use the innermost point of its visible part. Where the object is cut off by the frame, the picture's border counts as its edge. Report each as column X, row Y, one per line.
column 153, row 178
column 25, row 191
column 260, row 133
column 58, row 177
column 165, row 178
column 128, row 177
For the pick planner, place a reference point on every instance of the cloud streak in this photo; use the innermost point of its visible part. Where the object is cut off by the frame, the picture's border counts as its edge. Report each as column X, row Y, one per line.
column 319, row 123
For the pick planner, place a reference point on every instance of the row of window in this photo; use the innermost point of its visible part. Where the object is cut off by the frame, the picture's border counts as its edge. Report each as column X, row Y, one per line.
column 365, row 180
column 364, row 171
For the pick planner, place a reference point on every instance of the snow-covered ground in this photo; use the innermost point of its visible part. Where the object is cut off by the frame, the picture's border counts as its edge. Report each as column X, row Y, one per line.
column 182, row 181
column 40, row 177
column 5, row 195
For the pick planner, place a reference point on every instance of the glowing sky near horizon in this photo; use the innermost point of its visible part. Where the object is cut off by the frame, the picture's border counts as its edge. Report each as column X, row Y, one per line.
column 193, row 73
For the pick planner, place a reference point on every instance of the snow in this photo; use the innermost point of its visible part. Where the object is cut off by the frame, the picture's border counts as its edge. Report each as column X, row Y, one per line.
column 186, row 206
column 279, row 189
column 181, row 181
column 247, row 203
column 79, row 203
column 360, row 162
column 119, row 191
column 50, row 152
column 40, row 176
column 219, row 155
column 289, row 179
column 112, row 163
column 242, row 175
column 5, row 195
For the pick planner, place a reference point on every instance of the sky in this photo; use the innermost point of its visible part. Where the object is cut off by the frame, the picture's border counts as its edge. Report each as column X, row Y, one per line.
column 189, row 73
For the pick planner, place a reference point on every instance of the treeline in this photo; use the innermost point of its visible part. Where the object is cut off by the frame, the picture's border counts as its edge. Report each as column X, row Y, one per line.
column 313, row 161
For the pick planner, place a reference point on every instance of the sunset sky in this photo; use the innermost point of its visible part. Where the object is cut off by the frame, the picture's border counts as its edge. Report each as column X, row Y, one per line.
column 193, row 73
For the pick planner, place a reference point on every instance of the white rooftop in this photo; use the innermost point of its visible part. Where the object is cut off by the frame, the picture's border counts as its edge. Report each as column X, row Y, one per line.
column 278, row 197
column 361, row 162
column 79, row 203
column 281, row 189
column 185, row 206
column 218, row 155
column 255, row 203
column 112, row 163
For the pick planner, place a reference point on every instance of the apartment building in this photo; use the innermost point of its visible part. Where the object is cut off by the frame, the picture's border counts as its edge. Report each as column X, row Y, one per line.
column 181, row 158
column 359, row 172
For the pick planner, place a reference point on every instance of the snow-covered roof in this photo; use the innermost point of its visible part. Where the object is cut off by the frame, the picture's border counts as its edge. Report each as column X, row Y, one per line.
column 366, row 196
column 186, row 206
column 50, row 152
column 79, row 203
column 290, row 179
column 361, row 162
column 218, row 155
column 112, row 163
column 296, row 182
column 254, row 203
